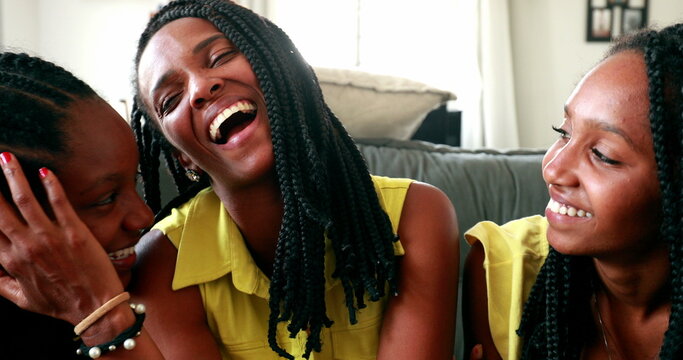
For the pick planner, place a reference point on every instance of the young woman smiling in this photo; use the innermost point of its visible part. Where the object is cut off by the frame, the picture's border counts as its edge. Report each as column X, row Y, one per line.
column 599, row 277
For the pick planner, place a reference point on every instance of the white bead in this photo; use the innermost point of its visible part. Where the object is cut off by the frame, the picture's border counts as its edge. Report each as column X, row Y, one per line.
column 112, row 347
column 129, row 344
column 94, row 352
column 140, row 309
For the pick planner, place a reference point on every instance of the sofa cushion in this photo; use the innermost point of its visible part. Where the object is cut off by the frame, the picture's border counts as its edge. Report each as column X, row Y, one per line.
column 482, row 184
column 373, row 106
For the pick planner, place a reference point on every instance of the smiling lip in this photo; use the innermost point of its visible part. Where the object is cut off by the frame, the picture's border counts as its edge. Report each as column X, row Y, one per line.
column 567, row 210
column 124, row 259
column 235, row 115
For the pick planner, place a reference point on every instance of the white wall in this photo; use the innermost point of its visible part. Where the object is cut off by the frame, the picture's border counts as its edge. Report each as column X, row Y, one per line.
column 95, row 39
column 551, row 54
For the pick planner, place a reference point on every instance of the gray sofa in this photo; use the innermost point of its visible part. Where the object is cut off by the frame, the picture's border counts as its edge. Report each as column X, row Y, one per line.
column 483, row 185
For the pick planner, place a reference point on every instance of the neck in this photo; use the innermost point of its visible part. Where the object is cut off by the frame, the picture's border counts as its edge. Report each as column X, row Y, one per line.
column 639, row 283
column 631, row 306
column 257, row 210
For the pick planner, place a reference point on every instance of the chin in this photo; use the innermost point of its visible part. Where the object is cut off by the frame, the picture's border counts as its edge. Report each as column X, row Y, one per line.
column 566, row 245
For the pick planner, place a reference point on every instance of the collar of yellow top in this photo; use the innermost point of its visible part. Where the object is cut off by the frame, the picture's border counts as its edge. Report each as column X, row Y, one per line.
column 211, row 246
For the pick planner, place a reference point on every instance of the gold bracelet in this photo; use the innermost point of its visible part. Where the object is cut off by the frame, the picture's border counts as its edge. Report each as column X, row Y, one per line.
column 101, row 311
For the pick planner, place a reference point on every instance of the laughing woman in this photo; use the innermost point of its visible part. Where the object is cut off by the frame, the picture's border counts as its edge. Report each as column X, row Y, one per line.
column 601, row 275
column 68, row 260
column 285, row 246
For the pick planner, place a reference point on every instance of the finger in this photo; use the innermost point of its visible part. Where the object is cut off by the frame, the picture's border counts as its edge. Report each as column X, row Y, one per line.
column 61, row 206
column 22, row 195
column 477, row 352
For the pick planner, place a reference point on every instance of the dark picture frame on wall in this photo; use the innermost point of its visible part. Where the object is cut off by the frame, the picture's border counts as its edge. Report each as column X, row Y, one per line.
column 607, row 19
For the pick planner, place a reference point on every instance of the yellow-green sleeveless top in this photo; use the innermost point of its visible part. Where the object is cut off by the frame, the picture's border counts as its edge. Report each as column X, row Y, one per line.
column 515, row 253
column 213, row 256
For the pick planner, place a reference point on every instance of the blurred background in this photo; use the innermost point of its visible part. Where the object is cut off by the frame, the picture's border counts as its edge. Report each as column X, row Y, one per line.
column 511, row 63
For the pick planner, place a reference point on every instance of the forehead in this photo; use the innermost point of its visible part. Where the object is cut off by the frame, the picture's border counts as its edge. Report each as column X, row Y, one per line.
column 171, row 45
column 615, row 91
column 97, row 137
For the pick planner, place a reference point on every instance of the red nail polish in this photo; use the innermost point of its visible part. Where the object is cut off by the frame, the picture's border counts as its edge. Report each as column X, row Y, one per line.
column 6, row 157
column 43, row 172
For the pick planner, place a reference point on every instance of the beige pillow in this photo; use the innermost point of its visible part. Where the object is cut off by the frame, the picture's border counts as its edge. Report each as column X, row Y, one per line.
column 378, row 106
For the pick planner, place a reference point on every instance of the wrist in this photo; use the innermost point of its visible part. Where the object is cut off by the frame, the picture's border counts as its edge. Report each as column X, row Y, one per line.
column 108, row 326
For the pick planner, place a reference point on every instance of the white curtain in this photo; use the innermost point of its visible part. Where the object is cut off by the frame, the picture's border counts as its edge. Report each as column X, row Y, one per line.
column 457, row 45
column 487, row 96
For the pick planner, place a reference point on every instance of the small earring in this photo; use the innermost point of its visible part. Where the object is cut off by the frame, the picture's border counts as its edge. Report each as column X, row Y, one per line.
column 193, row 175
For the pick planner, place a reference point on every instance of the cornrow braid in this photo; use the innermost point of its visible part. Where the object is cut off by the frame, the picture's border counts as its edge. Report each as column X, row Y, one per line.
column 555, row 320
column 326, row 188
column 35, row 97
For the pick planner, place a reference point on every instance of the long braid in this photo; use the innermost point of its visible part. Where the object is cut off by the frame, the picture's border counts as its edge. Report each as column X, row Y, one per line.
column 552, row 332
column 35, row 110
column 665, row 121
column 324, row 181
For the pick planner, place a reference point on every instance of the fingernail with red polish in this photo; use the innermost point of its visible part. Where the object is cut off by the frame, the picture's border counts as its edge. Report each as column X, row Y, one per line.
column 43, row 172
column 6, row 157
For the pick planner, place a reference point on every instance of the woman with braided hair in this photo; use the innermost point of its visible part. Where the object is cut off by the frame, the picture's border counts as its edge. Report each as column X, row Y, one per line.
column 64, row 252
column 281, row 242
column 600, row 276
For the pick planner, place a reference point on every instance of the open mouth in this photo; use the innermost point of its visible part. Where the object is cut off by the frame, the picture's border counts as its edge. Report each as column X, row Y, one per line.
column 231, row 121
column 122, row 254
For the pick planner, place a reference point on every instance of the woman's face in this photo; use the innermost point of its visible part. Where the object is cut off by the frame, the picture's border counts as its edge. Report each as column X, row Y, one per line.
column 601, row 172
column 99, row 176
column 205, row 98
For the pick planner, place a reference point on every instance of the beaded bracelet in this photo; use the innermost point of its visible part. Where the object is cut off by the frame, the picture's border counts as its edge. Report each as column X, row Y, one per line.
column 125, row 338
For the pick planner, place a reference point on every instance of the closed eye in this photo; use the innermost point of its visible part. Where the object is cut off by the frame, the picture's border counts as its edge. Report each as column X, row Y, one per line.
column 224, row 57
column 168, row 104
column 562, row 132
column 604, row 158
column 110, row 199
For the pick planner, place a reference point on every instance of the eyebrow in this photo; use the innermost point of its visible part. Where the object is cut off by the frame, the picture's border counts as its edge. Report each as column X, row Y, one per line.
column 204, row 43
column 604, row 126
column 162, row 80
column 109, row 178
column 199, row 47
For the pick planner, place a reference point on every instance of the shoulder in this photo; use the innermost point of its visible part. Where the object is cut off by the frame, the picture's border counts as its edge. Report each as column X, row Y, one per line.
column 502, row 242
column 428, row 222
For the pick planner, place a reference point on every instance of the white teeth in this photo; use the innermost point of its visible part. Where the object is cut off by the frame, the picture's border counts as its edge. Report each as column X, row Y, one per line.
column 123, row 253
column 244, row 106
column 562, row 209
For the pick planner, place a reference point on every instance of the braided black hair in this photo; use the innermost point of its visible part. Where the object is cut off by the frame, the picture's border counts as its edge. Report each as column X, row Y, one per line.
column 35, row 96
column 556, row 316
column 324, row 181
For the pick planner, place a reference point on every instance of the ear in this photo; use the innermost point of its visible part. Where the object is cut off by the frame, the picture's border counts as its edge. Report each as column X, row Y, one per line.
column 185, row 161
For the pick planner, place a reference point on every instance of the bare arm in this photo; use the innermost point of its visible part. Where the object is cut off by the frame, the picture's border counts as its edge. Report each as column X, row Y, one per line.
column 175, row 319
column 475, row 304
column 419, row 323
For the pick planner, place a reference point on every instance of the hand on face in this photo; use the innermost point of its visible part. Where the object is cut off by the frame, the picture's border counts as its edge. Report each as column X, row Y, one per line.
column 53, row 267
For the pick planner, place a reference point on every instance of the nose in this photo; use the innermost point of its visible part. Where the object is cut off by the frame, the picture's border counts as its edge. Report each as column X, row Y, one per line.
column 139, row 216
column 203, row 88
column 560, row 165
